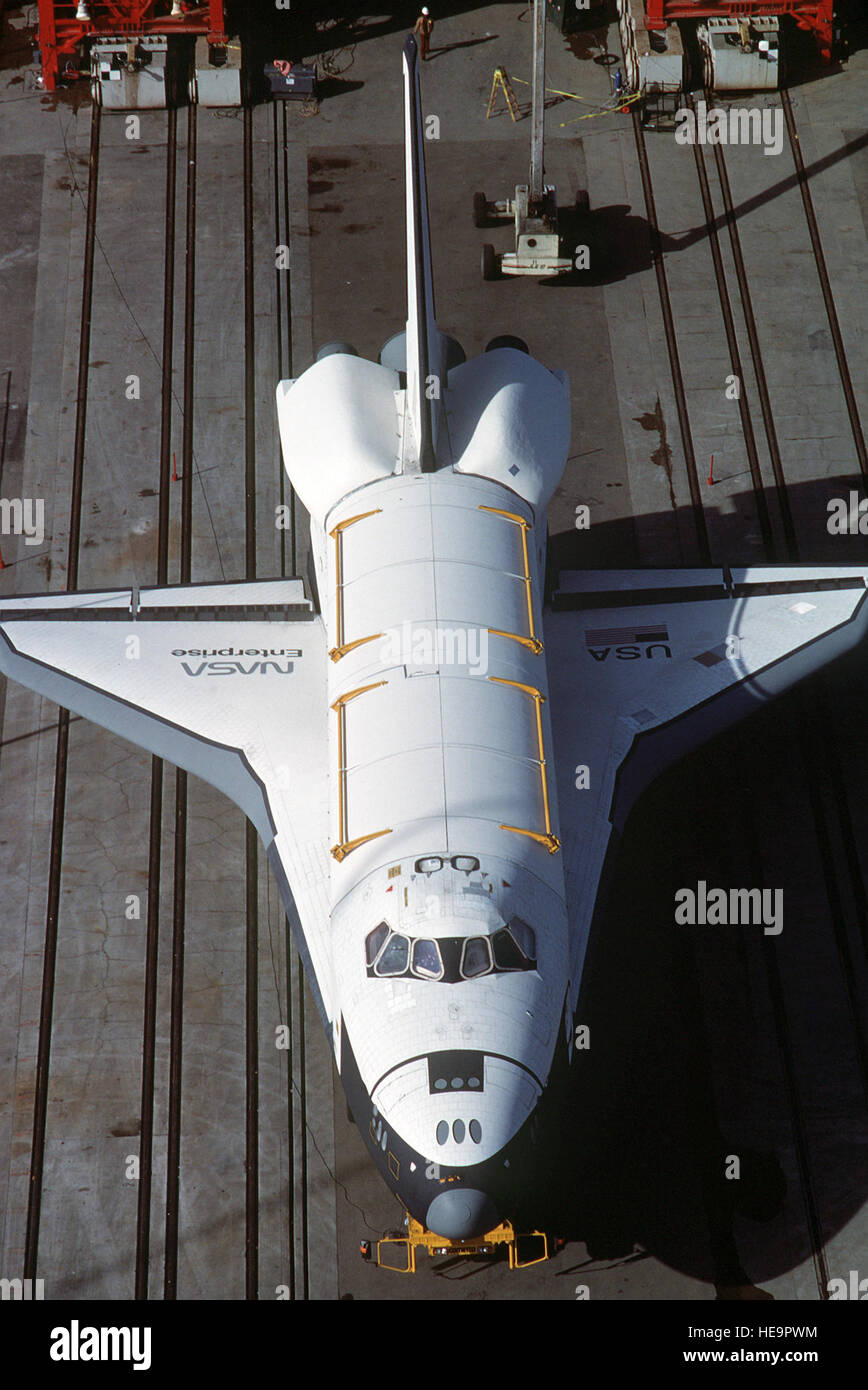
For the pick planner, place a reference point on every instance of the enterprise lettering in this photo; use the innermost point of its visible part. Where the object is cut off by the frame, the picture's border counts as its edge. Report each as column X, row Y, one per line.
column 237, row 651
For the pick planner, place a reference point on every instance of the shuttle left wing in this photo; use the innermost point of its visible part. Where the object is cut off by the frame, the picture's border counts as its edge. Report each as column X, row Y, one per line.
column 225, row 680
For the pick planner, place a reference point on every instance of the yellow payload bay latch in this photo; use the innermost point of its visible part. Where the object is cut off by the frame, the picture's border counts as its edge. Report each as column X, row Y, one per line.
column 398, row 1252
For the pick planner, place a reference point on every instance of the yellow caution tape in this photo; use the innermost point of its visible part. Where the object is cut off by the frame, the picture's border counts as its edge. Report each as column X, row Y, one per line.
column 618, row 103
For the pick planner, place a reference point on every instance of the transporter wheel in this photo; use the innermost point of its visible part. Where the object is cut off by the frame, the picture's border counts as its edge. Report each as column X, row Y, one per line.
column 480, row 210
column 490, row 266
column 582, row 203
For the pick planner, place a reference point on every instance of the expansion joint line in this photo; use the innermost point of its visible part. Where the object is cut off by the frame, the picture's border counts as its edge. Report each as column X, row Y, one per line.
column 346, row 846
column 547, row 838
column 337, row 534
column 529, row 640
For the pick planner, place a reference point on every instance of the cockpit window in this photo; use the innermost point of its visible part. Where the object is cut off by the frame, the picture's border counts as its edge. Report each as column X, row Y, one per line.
column 374, row 941
column 426, row 959
column 524, row 935
column 476, row 957
column 507, row 955
column 395, row 957
column 450, row 959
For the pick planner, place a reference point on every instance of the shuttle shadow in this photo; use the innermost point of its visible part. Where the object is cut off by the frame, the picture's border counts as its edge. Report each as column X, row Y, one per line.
column 643, row 1152
column 699, row 1045
column 735, row 527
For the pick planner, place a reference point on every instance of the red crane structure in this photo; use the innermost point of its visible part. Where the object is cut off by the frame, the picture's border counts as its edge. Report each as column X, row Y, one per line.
column 814, row 16
column 63, row 24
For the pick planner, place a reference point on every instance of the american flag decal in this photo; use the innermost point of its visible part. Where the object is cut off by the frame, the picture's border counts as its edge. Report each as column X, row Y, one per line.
column 618, row 636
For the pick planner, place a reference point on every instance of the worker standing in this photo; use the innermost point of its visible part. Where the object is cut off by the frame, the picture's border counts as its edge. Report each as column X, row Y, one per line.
column 423, row 29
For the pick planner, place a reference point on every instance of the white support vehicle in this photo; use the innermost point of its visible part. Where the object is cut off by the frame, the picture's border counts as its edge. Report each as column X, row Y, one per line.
column 535, row 205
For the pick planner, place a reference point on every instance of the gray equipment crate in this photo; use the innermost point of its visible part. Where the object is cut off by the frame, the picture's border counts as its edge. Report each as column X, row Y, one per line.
column 291, row 81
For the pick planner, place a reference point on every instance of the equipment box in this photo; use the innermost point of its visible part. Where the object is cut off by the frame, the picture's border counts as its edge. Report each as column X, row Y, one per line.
column 216, row 77
column 291, row 80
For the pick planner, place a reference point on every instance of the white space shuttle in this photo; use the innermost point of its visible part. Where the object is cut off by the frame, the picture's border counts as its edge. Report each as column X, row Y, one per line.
column 410, row 754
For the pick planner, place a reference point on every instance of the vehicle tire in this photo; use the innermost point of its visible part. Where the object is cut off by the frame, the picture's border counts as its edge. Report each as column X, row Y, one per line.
column 480, row 210
column 506, row 340
column 490, row 267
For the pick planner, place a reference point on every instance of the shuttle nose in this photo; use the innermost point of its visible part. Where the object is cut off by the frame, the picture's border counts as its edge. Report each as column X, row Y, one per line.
column 461, row 1213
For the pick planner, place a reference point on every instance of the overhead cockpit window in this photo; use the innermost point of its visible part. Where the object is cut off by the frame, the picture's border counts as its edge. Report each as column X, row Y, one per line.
column 464, row 863
column 430, row 865
column 524, row 935
column 395, row 957
column 476, row 957
column 426, row 959
column 374, row 941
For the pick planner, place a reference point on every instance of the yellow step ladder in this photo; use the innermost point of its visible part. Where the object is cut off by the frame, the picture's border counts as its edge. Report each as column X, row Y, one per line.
column 500, row 82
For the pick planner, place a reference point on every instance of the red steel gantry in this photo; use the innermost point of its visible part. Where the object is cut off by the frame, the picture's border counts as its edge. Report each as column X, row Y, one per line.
column 64, row 23
column 815, row 16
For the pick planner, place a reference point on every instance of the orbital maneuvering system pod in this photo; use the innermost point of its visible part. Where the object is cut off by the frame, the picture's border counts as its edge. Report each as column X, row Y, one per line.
column 408, row 754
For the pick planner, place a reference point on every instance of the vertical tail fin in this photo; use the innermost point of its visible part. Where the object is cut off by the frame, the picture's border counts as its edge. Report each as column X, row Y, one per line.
column 424, row 342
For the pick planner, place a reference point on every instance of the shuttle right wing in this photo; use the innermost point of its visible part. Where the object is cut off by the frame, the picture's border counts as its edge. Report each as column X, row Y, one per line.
column 645, row 666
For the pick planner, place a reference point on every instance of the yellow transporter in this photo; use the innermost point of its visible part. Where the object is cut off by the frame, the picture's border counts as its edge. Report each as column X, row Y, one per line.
column 398, row 1253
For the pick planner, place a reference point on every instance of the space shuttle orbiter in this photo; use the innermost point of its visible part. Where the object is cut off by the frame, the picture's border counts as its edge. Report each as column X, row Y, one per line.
column 408, row 754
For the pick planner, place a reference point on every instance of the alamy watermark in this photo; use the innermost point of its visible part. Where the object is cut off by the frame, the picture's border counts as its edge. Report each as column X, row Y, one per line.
column 22, row 1290
column 23, row 517
column 77, row 1343
column 847, row 518
column 429, row 644
column 739, row 125
column 731, row 907
column 853, row 1287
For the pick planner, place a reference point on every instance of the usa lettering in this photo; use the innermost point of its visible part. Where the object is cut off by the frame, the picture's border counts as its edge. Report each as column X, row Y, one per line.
column 630, row 653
